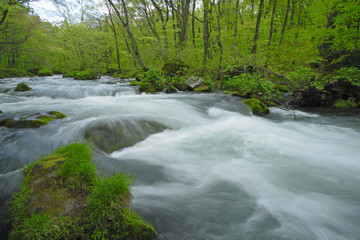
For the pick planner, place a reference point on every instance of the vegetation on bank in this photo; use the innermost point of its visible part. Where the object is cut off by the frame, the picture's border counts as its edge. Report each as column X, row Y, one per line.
column 61, row 197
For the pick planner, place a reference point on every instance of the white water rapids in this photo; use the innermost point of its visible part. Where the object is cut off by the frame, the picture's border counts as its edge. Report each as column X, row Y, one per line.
column 217, row 173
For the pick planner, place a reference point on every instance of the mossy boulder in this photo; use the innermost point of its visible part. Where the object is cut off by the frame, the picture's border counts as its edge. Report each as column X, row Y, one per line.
column 152, row 82
column 202, row 88
column 45, row 73
column 114, row 136
column 257, row 107
column 345, row 104
column 193, row 82
column 32, row 121
column 61, row 197
column 22, row 87
column 1, row 112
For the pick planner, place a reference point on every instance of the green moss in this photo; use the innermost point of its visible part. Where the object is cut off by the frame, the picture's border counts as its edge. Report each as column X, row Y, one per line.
column 346, row 104
column 134, row 83
column 22, row 87
column 48, row 206
column 58, row 115
column 202, row 88
column 87, row 74
column 45, row 72
column 2, row 76
column 152, row 82
column 226, row 92
column 257, row 107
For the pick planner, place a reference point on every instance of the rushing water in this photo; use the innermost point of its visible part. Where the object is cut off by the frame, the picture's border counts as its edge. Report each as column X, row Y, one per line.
column 217, row 173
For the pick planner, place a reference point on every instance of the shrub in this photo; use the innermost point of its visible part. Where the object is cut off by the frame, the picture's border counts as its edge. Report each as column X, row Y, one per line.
column 246, row 85
column 71, row 74
column 347, row 104
column 302, row 78
column 152, row 82
column 351, row 74
column 174, row 68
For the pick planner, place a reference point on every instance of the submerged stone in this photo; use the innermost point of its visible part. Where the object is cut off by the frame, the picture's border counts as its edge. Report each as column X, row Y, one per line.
column 32, row 121
column 117, row 135
column 257, row 107
column 202, row 88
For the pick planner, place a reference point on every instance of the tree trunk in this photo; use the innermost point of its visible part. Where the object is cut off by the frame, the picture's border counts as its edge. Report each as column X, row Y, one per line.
column 185, row 11
column 193, row 23
column 115, row 38
column 128, row 30
column 256, row 37
column 285, row 21
column 153, row 29
column 206, row 34
column 163, row 23
column 293, row 6
column 219, row 36
column 272, row 23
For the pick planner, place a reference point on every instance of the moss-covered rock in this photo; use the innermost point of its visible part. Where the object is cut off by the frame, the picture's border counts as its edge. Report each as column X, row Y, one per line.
column 346, row 104
column 152, row 82
column 22, row 87
column 61, row 197
column 45, row 73
column 257, row 107
column 193, row 82
column 1, row 112
column 202, row 88
column 114, row 136
column 32, row 121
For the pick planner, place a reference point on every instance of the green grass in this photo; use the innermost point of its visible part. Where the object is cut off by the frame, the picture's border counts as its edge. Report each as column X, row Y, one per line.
column 45, row 72
column 101, row 205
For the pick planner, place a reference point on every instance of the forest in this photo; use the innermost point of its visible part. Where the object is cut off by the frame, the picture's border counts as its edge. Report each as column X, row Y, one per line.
column 249, row 47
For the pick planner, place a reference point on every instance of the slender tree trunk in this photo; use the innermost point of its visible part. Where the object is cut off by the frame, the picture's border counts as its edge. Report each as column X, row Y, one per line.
column 206, row 34
column 128, row 30
column 256, row 37
column 193, row 23
column 293, row 6
column 115, row 38
column 285, row 21
column 163, row 23
column 185, row 11
column 219, row 36
column 272, row 23
column 236, row 20
column 152, row 27
column 252, row 8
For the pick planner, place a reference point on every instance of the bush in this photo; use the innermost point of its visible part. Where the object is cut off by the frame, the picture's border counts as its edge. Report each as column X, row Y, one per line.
column 71, row 74
column 45, row 72
column 152, row 82
column 174, row 68
column 302, row 78
column 246, row 85
column 351, row 74
column 347, row 104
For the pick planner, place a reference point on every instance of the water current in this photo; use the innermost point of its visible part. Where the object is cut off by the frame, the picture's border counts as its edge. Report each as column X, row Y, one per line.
column 217, row 172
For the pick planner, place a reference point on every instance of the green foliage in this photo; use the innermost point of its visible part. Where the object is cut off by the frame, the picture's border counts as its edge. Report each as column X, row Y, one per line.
column 71, row 74
column 176, row 83
column 301, row 78
column 246, row 85
column 134, row 83
column 350, row 74
column 346, row 104
column 78, row 169
column 108, row 192
column 174, row 68
column 45, row 72
column 22, row 87
column 152, row 82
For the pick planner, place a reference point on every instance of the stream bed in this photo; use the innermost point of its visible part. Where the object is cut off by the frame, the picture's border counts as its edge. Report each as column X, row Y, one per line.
column 215, row 172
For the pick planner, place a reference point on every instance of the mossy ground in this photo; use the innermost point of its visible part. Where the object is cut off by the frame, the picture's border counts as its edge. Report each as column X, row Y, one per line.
column 345, row 104
column 61, row 197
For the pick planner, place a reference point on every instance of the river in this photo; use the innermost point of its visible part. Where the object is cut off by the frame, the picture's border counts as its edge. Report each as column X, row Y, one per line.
column 217, row 172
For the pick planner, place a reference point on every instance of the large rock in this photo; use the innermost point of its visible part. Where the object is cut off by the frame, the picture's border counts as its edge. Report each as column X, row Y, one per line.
column 22, row 87
column 193, row 82
column 111, row 136
column 62, row 197
column 32, row 121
